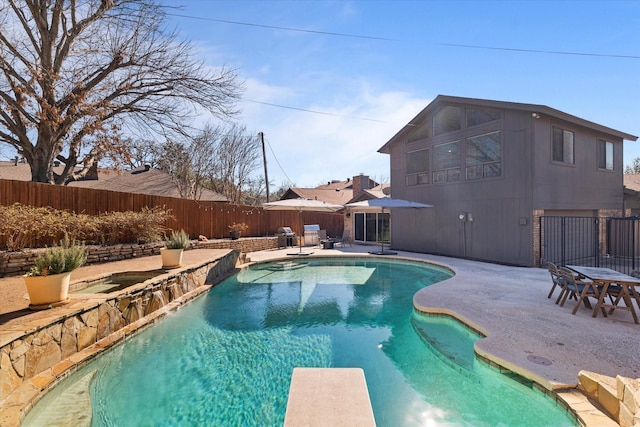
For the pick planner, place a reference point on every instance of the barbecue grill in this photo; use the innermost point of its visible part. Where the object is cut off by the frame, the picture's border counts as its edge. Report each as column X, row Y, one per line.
column 311, row 234
column 286, row 237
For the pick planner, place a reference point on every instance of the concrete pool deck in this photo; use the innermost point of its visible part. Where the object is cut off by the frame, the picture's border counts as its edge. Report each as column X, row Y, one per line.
column 525, row 332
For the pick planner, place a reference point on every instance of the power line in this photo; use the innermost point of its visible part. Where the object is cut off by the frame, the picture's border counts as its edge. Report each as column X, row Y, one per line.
column 467, row 46
column 275, row 27
column 314, row 111
column 553, row 52
column 278, row 162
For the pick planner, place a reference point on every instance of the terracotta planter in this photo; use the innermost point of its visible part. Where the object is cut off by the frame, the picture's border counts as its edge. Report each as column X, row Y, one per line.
column 171, row 258
column 235, row 235
column 47, row 291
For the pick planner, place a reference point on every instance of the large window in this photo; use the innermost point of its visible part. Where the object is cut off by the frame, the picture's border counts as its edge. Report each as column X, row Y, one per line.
column 605, row 154
column 448, row 119
column 477, row 117
column 446, row 162
column 484, row 159
column 417, row 167
column 563, row 150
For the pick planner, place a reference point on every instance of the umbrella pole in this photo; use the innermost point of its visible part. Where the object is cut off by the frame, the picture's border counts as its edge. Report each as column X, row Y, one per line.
column 300, row 228
column 381, row 240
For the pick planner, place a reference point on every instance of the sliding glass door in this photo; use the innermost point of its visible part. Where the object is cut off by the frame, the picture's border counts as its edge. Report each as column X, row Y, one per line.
column 371, row 227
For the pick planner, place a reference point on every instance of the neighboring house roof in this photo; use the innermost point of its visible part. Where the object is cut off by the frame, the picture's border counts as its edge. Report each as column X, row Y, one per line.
column 632, row 182
column 337, row 185
column 20, row 171
column 533, row 108
column 138, row 181
column 151, row 181
column 339, row 197
column 338, row 192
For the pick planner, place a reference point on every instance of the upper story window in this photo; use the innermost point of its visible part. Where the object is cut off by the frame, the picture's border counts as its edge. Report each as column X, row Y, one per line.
column 422, row 132
column 417, row 167
column 446, row 162
column 605, row 154
column 484, row 158
column 563, row 145
column 447, row 119
column 477, row 117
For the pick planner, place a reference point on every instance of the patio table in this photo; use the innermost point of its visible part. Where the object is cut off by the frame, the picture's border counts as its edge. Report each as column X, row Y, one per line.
column 606, row 277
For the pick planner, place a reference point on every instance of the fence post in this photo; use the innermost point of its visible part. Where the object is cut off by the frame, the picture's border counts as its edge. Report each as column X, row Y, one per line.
column 597, row 242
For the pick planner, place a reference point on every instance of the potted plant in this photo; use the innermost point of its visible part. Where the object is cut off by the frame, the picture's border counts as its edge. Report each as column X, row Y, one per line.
column 236, row 229
column 48, row 280
column 174, row 246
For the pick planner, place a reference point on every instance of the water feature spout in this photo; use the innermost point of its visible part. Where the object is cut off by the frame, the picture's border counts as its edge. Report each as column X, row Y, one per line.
column 156, row 302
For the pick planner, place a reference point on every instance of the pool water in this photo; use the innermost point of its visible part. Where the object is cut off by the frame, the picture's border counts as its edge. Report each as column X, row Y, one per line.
column 226, row 359
column 114, row 282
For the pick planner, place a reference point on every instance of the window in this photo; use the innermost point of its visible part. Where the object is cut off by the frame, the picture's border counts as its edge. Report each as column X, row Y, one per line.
column 605, row 154
column 422, row 132
column 477, row 117
column 563, row 146
column 446, row 162
column 484, row 159
column 446, row 120
column 417, row 167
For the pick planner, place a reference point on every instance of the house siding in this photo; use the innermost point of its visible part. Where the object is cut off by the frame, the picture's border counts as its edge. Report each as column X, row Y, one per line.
column 505, row 210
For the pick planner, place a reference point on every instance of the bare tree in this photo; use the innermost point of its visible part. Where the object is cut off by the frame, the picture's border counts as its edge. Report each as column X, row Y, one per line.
column 634, row 168
column 236, row 158
column 76, row 74
column 222, row 159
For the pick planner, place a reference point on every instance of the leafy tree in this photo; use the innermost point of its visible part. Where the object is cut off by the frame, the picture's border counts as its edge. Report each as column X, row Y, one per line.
column 75, row 75
column 635, row 168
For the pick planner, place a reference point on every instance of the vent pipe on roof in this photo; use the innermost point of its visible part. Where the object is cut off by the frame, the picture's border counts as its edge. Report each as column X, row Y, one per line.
column 15, row 161
column 147, row 167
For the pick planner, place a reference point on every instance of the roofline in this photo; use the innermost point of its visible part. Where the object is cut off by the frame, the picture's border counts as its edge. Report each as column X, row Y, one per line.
column 534, row 108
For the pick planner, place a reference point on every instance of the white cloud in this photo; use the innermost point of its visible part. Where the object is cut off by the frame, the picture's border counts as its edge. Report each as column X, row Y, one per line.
column 314, row 148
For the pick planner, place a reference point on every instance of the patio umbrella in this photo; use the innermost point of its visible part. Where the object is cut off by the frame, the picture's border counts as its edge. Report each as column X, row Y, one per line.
column 381, row 204
column 301, row 205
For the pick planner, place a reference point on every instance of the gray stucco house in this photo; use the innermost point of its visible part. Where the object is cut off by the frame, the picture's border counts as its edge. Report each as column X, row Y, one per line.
column 492, row 169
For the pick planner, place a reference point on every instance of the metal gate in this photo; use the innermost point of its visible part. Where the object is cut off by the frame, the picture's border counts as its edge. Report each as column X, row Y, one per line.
column 581, row 241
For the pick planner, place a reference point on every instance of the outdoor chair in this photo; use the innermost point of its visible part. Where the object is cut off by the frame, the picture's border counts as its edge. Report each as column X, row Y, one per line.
column 345, row 239
column 556, row 280
column 582, row 290
column 322, row 236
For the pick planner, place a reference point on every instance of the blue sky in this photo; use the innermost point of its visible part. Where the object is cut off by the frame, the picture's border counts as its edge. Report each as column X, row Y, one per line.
column 368, row 87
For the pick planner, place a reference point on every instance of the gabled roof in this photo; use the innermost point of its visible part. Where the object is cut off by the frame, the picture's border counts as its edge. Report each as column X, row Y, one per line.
column 139, row 181
column 533, row 108
column 337, row 197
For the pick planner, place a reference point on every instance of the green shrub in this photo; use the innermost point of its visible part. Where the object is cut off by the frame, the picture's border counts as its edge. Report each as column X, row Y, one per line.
column 177, row 240
column 65, row 257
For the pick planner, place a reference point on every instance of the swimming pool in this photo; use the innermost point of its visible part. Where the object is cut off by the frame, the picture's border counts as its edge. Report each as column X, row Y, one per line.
column 227, row 358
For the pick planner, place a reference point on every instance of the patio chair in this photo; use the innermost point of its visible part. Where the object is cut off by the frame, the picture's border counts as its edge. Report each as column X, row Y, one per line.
column 556, row 279
column 582, row 290
column 322, row 236
column 345, row 239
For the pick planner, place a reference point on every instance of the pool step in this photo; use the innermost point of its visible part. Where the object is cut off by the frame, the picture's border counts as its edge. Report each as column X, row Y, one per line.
column 331, row 397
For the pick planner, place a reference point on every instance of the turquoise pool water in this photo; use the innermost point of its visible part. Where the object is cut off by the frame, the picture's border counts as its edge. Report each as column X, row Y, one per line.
column 226, row 359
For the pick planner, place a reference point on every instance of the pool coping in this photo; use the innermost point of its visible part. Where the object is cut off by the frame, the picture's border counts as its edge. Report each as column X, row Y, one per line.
column 19, row 401
column 11, row 412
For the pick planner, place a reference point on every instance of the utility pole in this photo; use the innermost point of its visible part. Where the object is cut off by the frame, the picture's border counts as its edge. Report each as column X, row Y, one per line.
column 264, row 159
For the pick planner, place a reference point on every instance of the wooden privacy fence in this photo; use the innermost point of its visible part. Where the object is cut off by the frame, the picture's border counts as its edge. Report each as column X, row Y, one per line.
column 209, row 219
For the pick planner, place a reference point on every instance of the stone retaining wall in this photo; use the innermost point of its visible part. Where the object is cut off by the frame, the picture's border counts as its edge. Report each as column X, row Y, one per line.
column 55, row 341
column 18, row 263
